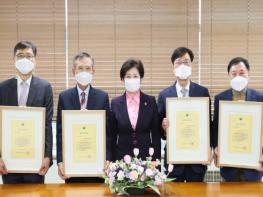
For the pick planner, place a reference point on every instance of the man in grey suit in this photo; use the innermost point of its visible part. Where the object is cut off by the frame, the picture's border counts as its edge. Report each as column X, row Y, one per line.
column 27, row 90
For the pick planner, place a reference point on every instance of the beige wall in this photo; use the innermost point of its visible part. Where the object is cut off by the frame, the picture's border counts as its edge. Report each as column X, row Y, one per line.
column 114, row 30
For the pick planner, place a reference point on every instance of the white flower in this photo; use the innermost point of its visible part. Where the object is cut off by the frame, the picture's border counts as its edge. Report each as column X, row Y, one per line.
column 111, row 180
column 136, row 152
column 120, row 175
column 151, row 151
column 164, row 176
column 158, row 162
column 149, row 173
column 133, row 166
column 140, row 169
column 113, row 167
column 170, row 168
column 112, row 174
column 122, row 165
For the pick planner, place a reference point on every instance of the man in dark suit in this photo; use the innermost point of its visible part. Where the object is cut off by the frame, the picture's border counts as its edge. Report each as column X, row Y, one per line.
column 82, row 96
column 182, row 59
column 238, row 72
column 27, row 90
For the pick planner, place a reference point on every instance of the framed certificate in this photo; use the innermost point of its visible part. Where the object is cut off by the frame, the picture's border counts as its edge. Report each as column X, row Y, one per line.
column 239, row 134
column 84, row 142
column 22, row 138
column 188, row 134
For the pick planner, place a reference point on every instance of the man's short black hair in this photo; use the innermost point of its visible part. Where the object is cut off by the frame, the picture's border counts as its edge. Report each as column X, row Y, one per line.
column 81, row 56
column 132, row 63
column 180, row 52
column 236, row 61
column 25, row 45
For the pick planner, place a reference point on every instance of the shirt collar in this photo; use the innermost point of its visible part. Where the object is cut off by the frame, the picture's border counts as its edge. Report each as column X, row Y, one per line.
column 19, row 80
column 179, row 87
column 136, row 98
column 239, row 92
column 86, row 90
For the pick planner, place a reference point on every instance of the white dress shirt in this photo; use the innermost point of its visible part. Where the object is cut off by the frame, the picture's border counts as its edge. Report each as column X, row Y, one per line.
column 86, row 96
column 179, row 88
column 19, row 85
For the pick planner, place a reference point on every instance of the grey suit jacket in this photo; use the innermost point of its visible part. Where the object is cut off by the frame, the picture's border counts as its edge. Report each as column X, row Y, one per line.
column 40, row 95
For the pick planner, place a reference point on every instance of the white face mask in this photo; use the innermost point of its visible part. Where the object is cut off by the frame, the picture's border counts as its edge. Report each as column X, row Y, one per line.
column 239, row 83
column 24, row 66
column 132, row 85
column 183, row 71
column 83, row 78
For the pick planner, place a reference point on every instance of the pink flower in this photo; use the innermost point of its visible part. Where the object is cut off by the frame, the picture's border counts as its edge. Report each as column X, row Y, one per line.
column 136, row 152
column 142, row 177
column 133, row 175
column 170, row 168
column 158, row 180
column 151, row 151
column 155, row 164
column 127, row 159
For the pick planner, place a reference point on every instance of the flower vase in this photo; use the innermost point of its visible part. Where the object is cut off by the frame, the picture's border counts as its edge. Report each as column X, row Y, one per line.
column 135, row 190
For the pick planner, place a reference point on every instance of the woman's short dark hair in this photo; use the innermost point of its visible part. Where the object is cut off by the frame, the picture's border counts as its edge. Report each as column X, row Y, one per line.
column 236, row 61
column 131, row 63
column 180, row 52
column 25, row 45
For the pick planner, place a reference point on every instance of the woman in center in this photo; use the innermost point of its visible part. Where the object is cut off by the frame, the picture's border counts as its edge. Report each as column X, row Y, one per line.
column 134, row 116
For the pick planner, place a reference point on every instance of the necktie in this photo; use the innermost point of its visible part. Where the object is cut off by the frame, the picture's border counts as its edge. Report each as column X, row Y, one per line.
column 239, row 96
column 23, row 94
column 82, row 100
column 184, row 91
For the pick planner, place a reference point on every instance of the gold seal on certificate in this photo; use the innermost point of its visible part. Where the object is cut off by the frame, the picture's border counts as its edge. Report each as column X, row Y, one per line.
column 188, row 134
column 239, row 134
column 22, row 138
column 84, row 142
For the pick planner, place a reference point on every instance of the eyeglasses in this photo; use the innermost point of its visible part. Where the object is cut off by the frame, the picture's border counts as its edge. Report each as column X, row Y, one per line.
column 21, row 56
column 179, row 62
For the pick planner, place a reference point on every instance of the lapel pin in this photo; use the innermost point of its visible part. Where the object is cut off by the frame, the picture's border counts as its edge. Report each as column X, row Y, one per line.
column 145, row 103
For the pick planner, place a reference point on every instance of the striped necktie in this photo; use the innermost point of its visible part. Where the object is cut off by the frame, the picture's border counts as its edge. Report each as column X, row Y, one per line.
column 82, row 100
column 23, row 94
column 184, row 91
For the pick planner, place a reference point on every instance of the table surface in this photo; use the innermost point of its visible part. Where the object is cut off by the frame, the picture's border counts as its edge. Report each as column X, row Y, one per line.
column 169, row 189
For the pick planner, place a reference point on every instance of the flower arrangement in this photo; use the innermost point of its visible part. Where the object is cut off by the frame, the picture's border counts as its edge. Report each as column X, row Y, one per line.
column 132, row 172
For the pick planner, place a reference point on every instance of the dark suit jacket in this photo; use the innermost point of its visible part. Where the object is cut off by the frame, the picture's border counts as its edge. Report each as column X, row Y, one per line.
column 147, row 128
column 69, row 100
column 40, row 95
column 194, row 91
column 251, row 95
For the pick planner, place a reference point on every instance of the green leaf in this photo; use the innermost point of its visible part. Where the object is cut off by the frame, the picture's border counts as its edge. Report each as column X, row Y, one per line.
column 154, row 188
column 169, row 179
column 132, row 186
column 122, row 192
